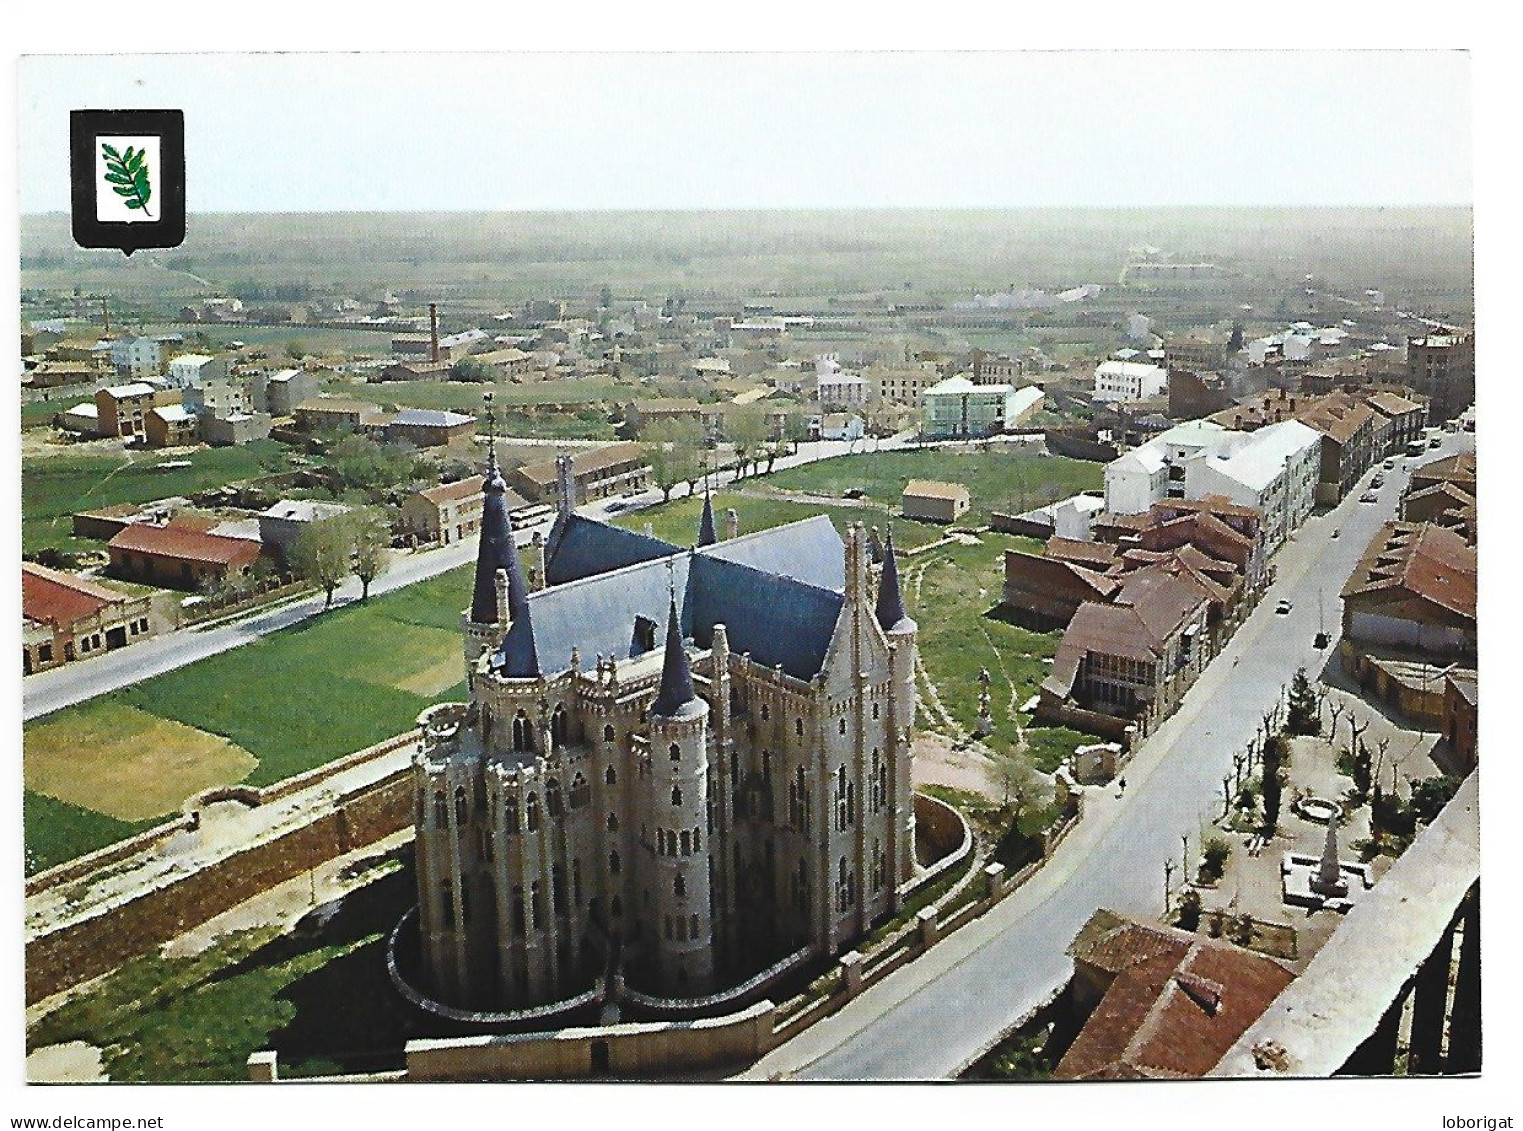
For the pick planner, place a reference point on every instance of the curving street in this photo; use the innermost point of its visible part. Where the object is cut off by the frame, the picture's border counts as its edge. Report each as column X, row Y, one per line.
column 935, row 1016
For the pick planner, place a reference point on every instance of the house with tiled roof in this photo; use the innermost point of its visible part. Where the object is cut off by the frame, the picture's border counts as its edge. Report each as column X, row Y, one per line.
column 177, row 556
column 933, row 500
column 65, row 617
column 1130, row 660
column 448, row 512
column 1161, row 1003
column 596, row 473
column 1413, row 591
column 677, row 766
column 1043, row 592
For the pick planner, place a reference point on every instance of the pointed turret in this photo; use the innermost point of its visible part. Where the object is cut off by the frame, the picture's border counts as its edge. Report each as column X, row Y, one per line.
column 676, row 675
column 707, row 535
column 496, row 550
column 890, row 610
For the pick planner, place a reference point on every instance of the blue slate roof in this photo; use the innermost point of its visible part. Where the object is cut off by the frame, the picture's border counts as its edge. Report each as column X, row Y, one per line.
column 496, row 550
column 810, row 551
column 781, row 620
column 582, row 547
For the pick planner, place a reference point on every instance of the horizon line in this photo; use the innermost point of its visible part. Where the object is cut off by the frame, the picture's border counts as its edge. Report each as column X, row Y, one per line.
column 782, row 208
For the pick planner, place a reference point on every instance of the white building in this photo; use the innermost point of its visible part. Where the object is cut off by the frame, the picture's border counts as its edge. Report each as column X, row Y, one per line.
column 1139, row 327
column 957, row 407
column 1129, row 381
column 1274, row 469
column 190, row 369
column 136, row 357
column 834, row 387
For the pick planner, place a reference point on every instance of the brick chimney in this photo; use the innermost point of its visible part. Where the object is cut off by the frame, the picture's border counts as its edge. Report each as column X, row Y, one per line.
column 433, row 332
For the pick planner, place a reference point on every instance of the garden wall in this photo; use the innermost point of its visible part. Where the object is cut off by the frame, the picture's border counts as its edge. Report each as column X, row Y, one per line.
column 173, row 904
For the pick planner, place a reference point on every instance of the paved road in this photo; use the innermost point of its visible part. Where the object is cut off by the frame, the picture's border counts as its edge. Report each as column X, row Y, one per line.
column 936, row 1015
column 60, row 687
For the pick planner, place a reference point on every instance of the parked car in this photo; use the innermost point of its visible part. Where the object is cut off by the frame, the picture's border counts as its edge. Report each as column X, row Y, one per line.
column 1336, row 533
column 1389, row 464
column 1369, row 497
column 853, row 492
column 1378, row 481
column 1437, row 441
column 1282, row 608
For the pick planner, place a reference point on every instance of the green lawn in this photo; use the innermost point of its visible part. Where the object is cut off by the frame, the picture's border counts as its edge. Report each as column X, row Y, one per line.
column 997, row 480
column 953, row 593
column 57, row 831
column 677, row 521
column 55, row 486
column 295, row 699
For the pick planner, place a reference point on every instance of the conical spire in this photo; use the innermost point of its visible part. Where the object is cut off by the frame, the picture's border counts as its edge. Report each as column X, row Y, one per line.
column 676, row 676
column 707, row 535
column 497, row 549
column 890, row 610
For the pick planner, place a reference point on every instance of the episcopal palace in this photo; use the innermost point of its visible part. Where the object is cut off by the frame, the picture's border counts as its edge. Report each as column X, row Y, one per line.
column 675, row 765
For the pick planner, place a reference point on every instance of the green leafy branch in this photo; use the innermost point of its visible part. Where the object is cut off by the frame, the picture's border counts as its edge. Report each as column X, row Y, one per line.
column 127, row 173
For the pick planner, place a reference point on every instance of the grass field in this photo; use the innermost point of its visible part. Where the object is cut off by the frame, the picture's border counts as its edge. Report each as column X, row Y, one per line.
column 953, row 594
column 292, row 701
column 55, row 486
column 677, row 521
column 997, row 480
column 125, row 763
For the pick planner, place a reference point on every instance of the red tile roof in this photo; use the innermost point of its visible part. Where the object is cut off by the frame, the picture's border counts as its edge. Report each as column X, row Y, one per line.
column 1422, row 560
column 181, row 542
column 1175, row 1004
column 51, row 597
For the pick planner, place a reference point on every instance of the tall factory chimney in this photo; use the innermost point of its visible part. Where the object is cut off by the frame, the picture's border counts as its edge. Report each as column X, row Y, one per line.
column 433, row 332
column 105, row 315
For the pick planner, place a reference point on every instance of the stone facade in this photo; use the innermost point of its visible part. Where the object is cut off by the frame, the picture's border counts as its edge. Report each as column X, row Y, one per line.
column 680, row 816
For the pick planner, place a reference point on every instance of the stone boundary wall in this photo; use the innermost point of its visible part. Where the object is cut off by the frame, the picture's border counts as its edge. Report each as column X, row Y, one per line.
column 98, row 943
column 638, row 1049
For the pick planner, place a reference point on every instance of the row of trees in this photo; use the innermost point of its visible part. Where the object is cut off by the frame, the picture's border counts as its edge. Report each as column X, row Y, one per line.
column 357, row 542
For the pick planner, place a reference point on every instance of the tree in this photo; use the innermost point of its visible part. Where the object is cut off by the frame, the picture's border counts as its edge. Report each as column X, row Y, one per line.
column 746, row 429
column 320, row 554
column 1305, row 714
column 1430, row 795
column 1235, row 340
column 371, row 535
column 1026, row 788
column 1273, row 783
column 1363, row 772
column 296, row 348
column 1189, row 911
column 672, row 449
column 472, row 370
column 1215, row 854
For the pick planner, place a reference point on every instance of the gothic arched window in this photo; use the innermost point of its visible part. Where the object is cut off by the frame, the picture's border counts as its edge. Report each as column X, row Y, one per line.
column 581, row 792
column 610, row 778
column 553, row 799
column 558, row 727
column 510, row 815
column 441, row 810
column 523, row 733
column 460, row 805
column 531, row 812
column 613, row 866
column 608, row 733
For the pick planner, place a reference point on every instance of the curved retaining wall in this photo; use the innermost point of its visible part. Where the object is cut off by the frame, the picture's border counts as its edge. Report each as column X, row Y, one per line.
column 546, row 1012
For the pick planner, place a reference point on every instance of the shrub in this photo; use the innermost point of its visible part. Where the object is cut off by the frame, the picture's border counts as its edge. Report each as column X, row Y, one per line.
column 1188, row 918
column 1215, row 855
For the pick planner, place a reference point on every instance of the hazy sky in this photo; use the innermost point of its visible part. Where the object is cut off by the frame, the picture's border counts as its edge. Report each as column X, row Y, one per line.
column 549, row 131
